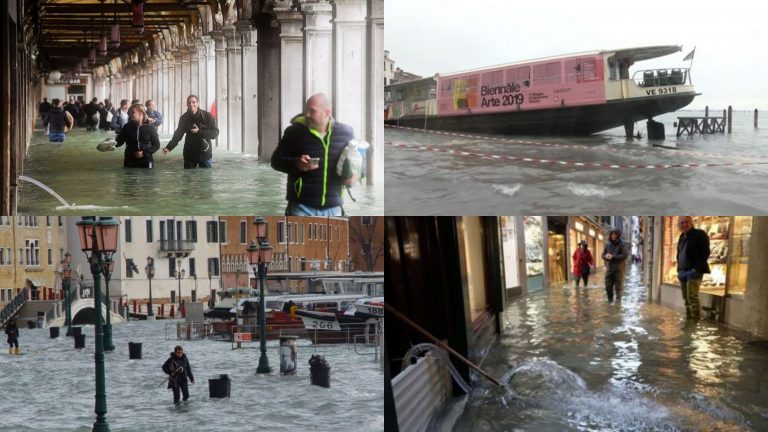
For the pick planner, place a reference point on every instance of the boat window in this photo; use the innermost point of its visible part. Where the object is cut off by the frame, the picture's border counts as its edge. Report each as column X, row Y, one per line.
column 547, row 73
column 580, row 70
column 613, row 70
column 519, row 75
column 446, row 87
column 326, row 305
column 493, row 78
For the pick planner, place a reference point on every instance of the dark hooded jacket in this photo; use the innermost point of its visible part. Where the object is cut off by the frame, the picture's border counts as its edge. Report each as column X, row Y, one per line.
column 318, row 188
column 12, row 331
column 137, row 138
column 693, row 251
column 197, row 147
column 620, row 251
column 57, row 119
column 172, row 365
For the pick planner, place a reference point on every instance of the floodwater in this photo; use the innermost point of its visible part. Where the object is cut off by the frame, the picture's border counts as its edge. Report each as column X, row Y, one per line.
column 96, row 182
column 559, row 176
column 571, row 361
column 51, row 387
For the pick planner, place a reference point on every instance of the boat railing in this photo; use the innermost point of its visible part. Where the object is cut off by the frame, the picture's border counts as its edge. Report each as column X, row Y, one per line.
column 662, row 77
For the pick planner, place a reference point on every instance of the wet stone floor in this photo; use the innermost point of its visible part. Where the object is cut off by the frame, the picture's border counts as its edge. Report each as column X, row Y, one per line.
column 570, row 361
column 50, row 387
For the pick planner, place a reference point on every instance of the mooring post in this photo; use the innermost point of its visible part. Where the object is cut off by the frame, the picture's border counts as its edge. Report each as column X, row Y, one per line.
column 755, row 118
column 730, row 118
column 706, row 111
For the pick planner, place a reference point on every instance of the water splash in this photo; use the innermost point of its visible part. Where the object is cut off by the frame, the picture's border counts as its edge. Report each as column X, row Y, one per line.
column 45, row 188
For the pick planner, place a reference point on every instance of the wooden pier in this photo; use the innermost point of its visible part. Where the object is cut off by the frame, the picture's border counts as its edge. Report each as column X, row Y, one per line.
column 700, row 125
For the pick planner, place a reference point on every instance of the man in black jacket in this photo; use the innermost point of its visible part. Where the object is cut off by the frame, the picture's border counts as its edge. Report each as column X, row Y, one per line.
column 200, row 128
column 308, row 153
column 13, row 337
column 178, row 369
column 692, row 255
column 615, row 254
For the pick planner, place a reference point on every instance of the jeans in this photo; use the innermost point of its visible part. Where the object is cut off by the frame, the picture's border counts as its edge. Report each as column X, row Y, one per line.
column 194, row 164
column 614, row 282
column 298, row 209
column 690, row 281
column 583, row 276
column 183, row 386
column 57, row 136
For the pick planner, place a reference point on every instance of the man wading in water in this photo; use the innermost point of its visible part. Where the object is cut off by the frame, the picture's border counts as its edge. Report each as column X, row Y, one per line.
column 178, row 369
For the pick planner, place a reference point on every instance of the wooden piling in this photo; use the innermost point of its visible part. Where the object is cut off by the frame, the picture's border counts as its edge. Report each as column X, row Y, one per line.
column 755, row 118
column 706, row 111
column 730, row 118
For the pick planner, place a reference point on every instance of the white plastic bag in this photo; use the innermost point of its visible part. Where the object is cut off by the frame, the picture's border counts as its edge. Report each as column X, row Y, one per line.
column 351, row 162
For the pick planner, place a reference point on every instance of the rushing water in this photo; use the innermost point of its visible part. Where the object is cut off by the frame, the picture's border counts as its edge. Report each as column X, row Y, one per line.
column 428, row 182
column 51, row 387
column 96, row 182
column 570, row 361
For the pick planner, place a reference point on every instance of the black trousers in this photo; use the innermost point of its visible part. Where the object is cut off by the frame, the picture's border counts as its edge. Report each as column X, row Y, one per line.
column 180, row 385
column 13, row 341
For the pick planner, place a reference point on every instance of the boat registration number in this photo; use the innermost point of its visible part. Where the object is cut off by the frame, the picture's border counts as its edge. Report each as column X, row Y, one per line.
column 318, row 324
column 660, row 91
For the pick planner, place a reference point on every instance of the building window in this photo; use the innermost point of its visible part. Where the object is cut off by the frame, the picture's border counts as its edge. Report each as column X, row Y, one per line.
column 212, row 234
column 288, row 232
column 162, row 230
column 223, row 232
column 47, row 221
column 192, row 269
column 302, row 233
column 192, row 231
column 213, row 266
column 50, row 257
column 281, row 232
column 172, row 267
column 149, row 230
column 128, row 231
column 170, row 230
column 61, row 222
column 243, row 232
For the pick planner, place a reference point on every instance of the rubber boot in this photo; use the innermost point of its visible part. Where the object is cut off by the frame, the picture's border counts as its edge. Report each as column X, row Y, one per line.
column 18, row 350
column 10, row 350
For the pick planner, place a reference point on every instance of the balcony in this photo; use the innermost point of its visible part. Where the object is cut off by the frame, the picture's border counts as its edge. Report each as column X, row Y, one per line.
column 176, row 248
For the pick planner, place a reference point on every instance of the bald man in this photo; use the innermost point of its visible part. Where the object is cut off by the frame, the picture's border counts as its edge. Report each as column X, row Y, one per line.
column 692, row 256
column 308, row 153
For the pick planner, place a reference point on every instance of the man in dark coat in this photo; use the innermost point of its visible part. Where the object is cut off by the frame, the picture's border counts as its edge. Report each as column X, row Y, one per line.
column 308, row 153
column 615, row 254
column 140, row 139
column 12, row 331
column 92, row 115
column 45, row 106
column 200, row 128
column 178, row 369
column 58, row 122
column 692, row 255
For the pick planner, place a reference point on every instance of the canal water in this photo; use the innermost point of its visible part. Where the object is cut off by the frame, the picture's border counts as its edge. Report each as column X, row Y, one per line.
column 420, row 182
column 96, row 183
column 571, row 361
column 51, row 386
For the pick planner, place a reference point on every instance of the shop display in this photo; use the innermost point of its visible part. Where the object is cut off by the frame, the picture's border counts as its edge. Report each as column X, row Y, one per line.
column 534, row 246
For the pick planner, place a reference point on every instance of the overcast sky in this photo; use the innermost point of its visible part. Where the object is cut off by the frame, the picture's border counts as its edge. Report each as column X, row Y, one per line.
column 730, row 66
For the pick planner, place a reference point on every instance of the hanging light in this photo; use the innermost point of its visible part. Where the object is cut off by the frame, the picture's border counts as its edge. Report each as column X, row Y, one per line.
column 137, row 6
column 103, row 46
column 92, row 56
column 114, row 40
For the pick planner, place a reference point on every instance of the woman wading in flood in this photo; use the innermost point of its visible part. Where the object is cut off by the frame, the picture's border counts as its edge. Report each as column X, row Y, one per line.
column 140, row 139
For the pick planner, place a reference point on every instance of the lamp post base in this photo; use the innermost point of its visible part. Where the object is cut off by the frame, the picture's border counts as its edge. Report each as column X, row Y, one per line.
column 108, row 346
column 263, row 367
column 101, row 425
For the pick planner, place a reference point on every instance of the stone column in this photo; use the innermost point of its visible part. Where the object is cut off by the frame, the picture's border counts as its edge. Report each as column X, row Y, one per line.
column 250, row 88
column 291, row 67
column 349, row 64
column 210, row 71
column 194, row 70
column 179, row 102
column 317, row 48
column 375, row 100
column 234, row 84
column 164, row 97
column 221, row 99
column 186, row 74
column 198, row 72
column 173, row 104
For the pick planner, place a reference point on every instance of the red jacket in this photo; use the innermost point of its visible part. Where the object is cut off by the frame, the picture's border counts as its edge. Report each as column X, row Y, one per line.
column 581, row 258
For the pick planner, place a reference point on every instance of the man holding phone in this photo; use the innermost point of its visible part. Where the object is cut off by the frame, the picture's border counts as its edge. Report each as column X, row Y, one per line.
column 308, row 153
column 200, row 128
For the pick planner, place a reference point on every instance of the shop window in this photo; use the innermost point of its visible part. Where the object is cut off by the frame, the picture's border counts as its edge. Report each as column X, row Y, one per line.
column 475, row 265
column 534, row 246
column 739, row 259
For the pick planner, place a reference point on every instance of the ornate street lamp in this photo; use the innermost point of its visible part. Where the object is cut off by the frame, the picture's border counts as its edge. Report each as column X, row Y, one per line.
column 98, row 240
column 150, row 271
column 108, row 267
column 178, row 274
column 260, row 255
column 66, row 273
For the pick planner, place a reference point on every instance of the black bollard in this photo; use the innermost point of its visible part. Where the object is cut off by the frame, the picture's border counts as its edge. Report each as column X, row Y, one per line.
column 31, row 324
column 134, row 350
column 80, row 341
column 655, row 130
column 755, row 118
column 319, row 371
column 730, row 118
column 219, row 387
column 77, row 331
column 54, row 332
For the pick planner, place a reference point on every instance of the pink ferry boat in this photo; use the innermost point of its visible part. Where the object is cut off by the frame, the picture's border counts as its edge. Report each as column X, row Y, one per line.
column 574, row 94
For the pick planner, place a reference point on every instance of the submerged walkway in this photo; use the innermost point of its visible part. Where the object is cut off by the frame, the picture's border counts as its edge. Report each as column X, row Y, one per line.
column 575, row 362
column 96, row 182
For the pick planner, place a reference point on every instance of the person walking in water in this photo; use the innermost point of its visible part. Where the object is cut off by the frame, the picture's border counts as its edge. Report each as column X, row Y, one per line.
column 58, row 122
column 308, row 152
column 140, row 139
column 615, row 254
column 178, row 369
column 200, row 128
column 13, row 337
column 692, row 255
column 582, row 262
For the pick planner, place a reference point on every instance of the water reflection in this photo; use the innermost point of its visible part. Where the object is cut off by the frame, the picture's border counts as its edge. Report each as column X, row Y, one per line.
column 642, row 367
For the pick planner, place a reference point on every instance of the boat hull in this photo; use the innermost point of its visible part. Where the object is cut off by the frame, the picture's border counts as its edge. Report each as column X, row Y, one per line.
column 575, row 120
